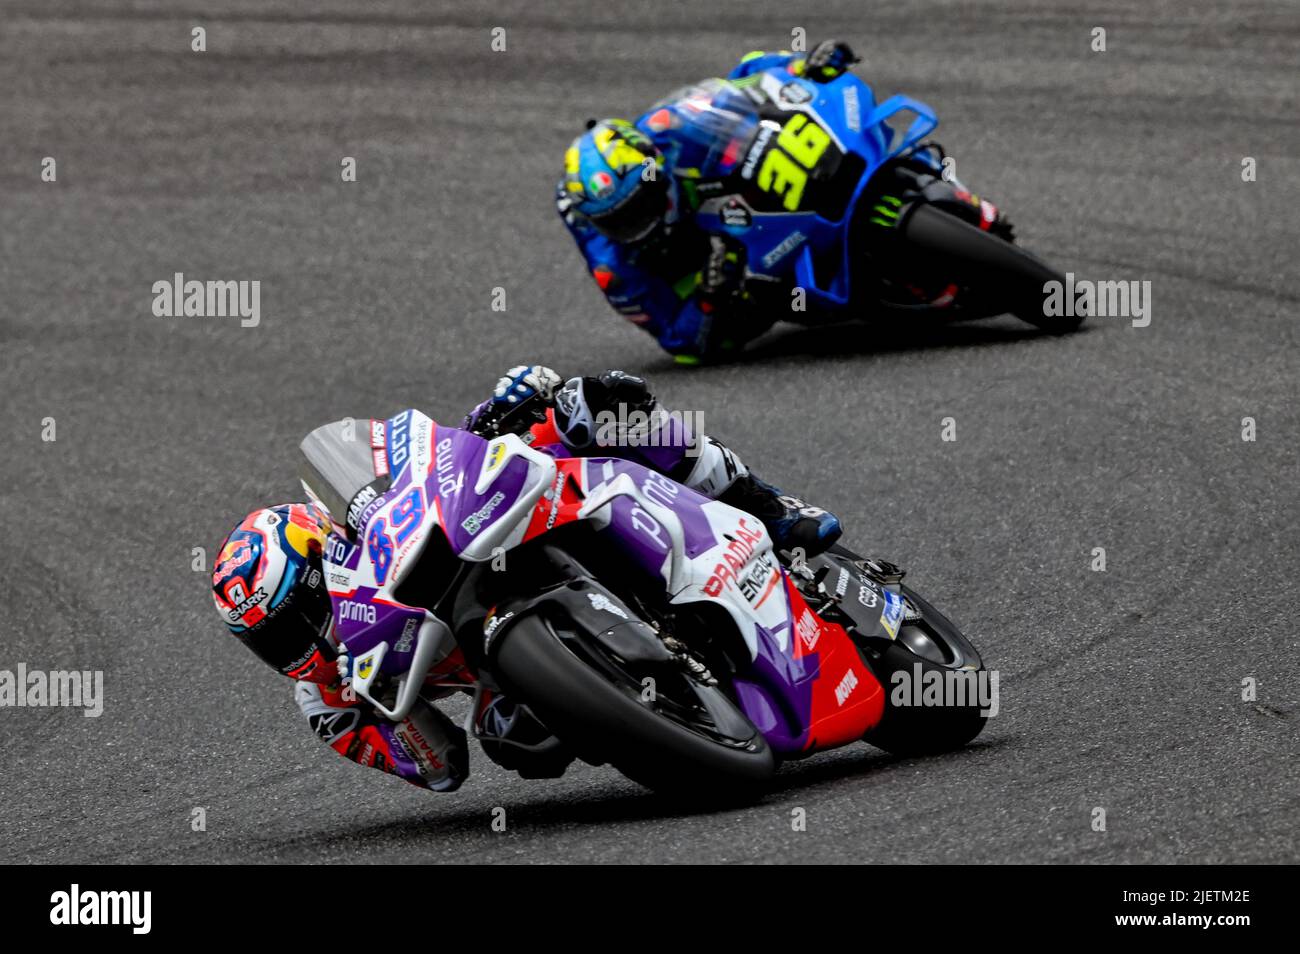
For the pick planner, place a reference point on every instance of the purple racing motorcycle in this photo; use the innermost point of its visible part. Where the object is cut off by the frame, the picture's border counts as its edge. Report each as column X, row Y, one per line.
column 645, row 625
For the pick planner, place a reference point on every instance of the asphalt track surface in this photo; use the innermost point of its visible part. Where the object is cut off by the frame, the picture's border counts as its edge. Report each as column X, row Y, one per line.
column 1120, row 689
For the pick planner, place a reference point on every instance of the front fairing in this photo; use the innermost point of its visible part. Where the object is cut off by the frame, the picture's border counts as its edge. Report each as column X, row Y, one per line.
column 368, row 475
column 402, row 493
column 448, row 496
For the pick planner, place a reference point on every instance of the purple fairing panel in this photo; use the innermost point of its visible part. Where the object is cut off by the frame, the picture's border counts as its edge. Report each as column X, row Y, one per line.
column 361, row 623
column 457, row 461
column 776, row 694
column 631, row 522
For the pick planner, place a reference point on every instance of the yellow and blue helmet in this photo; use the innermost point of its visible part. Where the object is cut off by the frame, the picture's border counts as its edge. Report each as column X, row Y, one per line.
column 614, row 178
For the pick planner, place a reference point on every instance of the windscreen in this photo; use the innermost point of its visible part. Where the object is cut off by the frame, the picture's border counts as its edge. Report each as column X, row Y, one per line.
column 716, row 115
column 337, row 466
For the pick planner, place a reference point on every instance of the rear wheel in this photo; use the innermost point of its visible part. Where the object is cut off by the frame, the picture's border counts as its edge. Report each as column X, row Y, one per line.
column 1002, row 276
column 685, row 736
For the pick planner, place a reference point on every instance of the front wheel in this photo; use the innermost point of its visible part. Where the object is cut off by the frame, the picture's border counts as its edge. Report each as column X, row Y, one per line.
column 1000, row 275
column 930, row 651
column 685, row 736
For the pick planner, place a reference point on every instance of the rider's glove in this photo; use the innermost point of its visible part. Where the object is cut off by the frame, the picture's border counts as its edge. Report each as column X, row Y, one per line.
column 829, row 59
column 723, row 276
column 620, row 388
column 344, row 663
column 583, row 402
column 529, row 387
column 523, row 382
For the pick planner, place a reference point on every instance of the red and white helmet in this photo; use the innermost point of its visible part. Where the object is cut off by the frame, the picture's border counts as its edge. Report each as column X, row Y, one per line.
column 269, row 587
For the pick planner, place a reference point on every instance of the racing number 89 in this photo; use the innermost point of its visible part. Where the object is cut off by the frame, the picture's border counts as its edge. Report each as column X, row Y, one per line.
column 785, row 170
column 407, row 514
column 381, row 550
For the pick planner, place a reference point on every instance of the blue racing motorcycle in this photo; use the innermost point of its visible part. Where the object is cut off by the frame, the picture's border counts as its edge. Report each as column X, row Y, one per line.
column 828, row 197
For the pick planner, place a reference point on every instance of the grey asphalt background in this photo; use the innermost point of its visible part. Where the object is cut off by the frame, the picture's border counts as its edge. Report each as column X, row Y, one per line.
column 1120, row 689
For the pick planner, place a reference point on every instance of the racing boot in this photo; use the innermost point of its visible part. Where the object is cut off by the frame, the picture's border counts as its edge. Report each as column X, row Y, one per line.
column 513, row 737
column 791, row 523
column 794, row 525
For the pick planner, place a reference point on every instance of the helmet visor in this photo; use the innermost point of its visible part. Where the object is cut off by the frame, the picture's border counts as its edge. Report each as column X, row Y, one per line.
column 633, row 219
column 289, row 638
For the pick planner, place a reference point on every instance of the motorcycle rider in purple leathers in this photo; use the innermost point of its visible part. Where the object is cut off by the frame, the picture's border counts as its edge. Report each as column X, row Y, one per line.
column 276, row 553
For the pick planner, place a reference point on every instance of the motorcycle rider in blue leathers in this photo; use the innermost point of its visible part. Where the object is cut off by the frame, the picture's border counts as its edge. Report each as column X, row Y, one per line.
column 628, row 195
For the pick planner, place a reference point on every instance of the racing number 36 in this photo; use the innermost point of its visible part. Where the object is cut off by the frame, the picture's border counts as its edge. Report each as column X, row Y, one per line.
column 785, row 170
